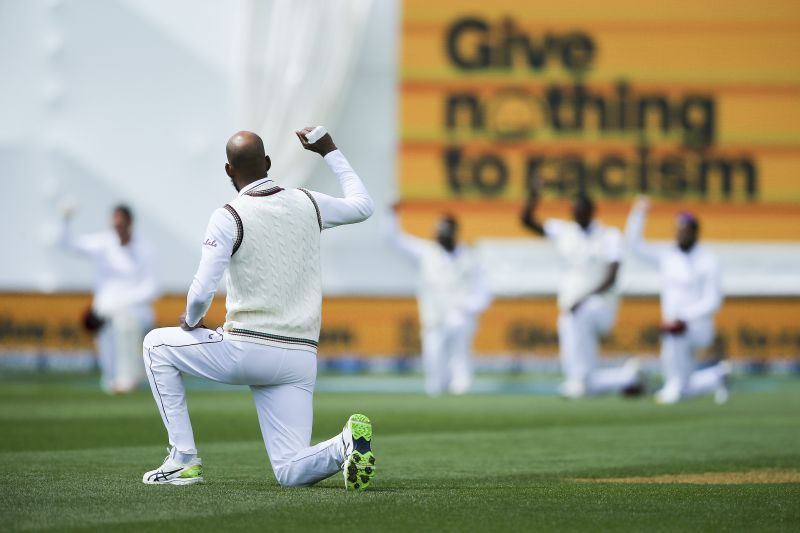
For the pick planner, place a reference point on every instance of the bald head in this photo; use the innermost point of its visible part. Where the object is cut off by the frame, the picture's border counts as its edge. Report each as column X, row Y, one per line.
column 247, row 161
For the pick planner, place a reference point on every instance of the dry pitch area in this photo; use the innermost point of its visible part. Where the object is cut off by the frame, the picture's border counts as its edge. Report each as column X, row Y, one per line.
column 72, row 459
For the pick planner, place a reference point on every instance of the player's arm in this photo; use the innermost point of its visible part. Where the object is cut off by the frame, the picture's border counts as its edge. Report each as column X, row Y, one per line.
column 356, row 205
column 87, row 245
column 649, row 253
column 611, row 278
column 215, row 257
column 613, row 251
column 408, row 244
column 608, row 282
column 634, row 233
column 528, row 216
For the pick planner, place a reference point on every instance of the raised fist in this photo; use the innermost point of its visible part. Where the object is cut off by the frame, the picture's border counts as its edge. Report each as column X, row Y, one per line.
column 323, row 146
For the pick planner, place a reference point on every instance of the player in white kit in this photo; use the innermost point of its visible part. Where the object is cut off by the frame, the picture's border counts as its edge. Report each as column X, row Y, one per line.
column 268, row 239
column 691, row 295
column 451, row 294
column 587, row 298
column 124, row 290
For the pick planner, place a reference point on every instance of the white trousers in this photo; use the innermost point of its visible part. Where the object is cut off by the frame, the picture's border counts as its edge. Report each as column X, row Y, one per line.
column 119, row 343
column 447, row 357
column 578, row 339
column 281, row 380
column 681, row 380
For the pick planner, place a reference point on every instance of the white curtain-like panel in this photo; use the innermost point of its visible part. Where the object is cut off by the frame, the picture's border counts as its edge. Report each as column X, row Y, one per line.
column 298, row 63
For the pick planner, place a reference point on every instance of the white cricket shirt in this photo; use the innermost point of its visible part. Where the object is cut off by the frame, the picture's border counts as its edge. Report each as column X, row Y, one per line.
column 587, row 255
column 691, row 283
column 221, row 233
column 124, row 275
column 452, row 284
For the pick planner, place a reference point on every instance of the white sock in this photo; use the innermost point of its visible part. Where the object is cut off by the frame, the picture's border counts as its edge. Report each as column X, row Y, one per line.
column 183, row 458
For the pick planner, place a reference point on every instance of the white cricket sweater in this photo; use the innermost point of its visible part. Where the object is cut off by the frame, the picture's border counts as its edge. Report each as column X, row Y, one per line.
column 274, row 282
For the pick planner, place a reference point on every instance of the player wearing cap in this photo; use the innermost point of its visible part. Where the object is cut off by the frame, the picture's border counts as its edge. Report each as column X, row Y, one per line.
column 691, row 295
column 268, row 239
column 587, row 299
column 451, row 295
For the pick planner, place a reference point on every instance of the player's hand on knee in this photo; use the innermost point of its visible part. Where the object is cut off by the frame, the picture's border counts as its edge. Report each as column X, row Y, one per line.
column 186, row 327
column 676, row 327
column 323, row 146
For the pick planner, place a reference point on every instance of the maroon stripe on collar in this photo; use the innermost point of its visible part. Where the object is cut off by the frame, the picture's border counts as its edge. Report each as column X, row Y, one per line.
column 264, row 192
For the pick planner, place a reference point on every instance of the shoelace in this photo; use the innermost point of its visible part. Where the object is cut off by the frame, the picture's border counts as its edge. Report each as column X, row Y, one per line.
column 158, row 474
column 169, row 455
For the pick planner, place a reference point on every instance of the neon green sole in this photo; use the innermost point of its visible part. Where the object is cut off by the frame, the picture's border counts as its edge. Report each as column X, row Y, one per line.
column 359, row 471
column 361, row 427
column 359, row 468
column 195, row 471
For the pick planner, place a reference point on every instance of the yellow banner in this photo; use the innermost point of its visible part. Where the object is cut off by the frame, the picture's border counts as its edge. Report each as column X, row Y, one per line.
column 748, row 328
column 693, row 104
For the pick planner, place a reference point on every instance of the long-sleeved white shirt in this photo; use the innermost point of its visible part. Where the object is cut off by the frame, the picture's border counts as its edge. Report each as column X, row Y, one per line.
column 690, row 281
column 587, row 256
column 452, row 284
column 124, row 275
column 355, row 206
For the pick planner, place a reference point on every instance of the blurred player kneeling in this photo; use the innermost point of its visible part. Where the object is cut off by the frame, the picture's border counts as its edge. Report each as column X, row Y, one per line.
column 451, row 295
column 587, row 298
column 125, row 287
column 691, row 295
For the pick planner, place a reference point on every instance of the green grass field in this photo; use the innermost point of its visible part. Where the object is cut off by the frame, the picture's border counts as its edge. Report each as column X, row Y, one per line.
column 72, row 458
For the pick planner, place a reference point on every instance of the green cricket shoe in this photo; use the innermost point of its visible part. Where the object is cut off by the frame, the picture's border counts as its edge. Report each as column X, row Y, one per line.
column 359, row 464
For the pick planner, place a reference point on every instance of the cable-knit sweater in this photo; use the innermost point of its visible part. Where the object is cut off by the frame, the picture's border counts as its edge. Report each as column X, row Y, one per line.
column 274, row 282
